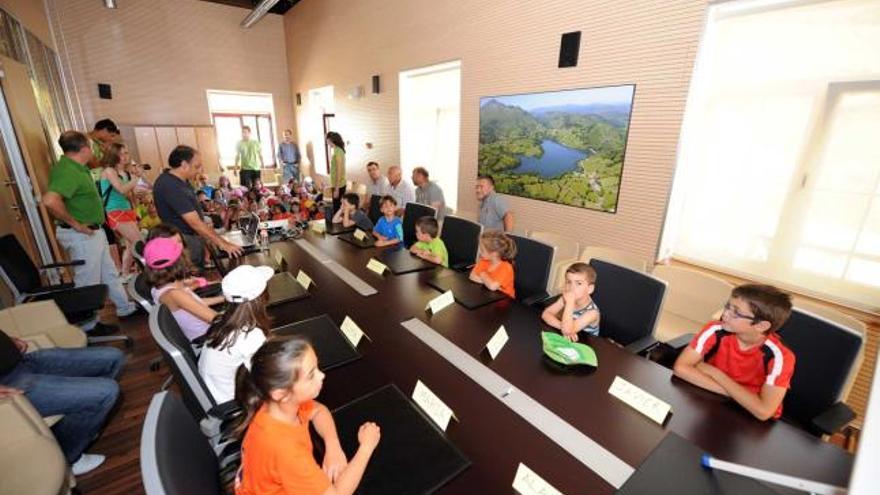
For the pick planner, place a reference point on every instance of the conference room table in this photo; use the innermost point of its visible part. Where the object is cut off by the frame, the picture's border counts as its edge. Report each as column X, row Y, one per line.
column 493, row 436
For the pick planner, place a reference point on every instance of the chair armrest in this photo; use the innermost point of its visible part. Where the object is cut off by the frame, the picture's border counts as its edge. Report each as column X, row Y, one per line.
column 680, row 342
column 63, row 264
column 36, row 317
column 834, row 418
column 641, row 345
column 226, row 411
column 209, row 290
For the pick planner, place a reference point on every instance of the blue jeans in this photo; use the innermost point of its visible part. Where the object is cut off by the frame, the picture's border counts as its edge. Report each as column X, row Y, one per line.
column 78, row 383
column 290, row 169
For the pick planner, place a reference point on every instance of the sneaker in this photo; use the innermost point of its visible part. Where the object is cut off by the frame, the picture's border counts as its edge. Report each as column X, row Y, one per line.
column 129, row 310
column 86, row 463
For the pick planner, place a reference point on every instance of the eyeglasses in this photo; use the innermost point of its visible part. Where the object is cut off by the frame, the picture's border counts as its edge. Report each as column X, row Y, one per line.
column 730, row 309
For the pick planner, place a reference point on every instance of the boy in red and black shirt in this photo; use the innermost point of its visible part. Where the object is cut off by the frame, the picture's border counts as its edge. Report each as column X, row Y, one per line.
column 741, row 356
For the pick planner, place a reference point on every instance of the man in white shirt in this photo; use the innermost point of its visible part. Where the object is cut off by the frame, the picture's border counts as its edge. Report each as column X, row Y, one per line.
column 377, row 185
column 400, row 189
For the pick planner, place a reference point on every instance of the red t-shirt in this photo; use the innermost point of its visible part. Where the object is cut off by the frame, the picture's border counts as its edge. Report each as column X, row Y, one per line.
column 770, row 363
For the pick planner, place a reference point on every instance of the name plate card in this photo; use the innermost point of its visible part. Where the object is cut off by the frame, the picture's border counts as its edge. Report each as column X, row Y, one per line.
column 319, row 226
column 440, row 302
column 497, row 342
column 360, row 234
column 439, row 412
column 279, row 258
column 376, row 266
column 641, row 401
column 352, row 332
column 304, row 280
column 526, row 482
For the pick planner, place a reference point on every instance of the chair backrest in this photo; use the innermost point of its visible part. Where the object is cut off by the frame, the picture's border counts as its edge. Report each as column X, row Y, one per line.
column 616, row 256
column 826, row 355
column 17, row 268
column 532, row 265
column 328, row 214
column 375, row 212
column 462, row 240
column 138, row 254
column 219, row 263
column 360, row 189
column 566, row 247
column 180, row 357
column 42, row 468
column 692, row 294
column 411, row 213
column 176, row 458
column 139, row 291
column 629, row 301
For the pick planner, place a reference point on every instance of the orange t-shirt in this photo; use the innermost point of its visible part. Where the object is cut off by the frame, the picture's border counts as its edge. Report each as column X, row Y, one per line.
column 276, row 457
column 503, row 274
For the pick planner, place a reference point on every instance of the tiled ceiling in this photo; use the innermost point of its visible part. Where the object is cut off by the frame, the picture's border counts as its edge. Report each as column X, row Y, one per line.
column 280, row 8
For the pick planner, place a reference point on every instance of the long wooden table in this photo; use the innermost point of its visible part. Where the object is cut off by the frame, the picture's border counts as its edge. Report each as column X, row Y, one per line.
column 494, row 437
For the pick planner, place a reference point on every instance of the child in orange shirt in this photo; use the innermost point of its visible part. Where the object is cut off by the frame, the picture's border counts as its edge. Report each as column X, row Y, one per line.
column 494, row 269
column 276, row 458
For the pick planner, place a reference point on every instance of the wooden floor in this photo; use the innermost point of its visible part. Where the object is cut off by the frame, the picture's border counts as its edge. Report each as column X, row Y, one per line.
column 121, row 439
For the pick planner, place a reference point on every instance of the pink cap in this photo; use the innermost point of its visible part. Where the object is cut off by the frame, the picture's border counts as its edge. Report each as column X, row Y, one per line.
column 162, row 252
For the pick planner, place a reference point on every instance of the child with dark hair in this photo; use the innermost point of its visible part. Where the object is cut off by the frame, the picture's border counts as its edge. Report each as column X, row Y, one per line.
column 389, row 229
column 494, row 269
column 278, row 394
column 575, row 310
column 237, row 333
column 429, row 247
column 741, row 356
column 167, row 268
column 349, row 214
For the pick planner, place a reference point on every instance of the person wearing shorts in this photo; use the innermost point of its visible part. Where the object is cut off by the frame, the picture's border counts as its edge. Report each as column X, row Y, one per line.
column 115, row 188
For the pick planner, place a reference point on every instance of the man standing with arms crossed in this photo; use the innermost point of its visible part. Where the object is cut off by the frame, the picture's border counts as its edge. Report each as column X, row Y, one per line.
column 288, row 155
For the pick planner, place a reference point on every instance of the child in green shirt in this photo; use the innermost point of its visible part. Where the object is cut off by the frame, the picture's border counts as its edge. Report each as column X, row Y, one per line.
column 430, row 247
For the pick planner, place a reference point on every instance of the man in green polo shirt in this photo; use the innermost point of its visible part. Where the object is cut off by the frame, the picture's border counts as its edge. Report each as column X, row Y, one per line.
column 249, row 156
column 104, row 134
column 74, row 201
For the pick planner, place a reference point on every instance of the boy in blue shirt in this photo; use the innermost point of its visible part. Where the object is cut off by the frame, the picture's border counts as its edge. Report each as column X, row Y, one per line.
column 389, row 229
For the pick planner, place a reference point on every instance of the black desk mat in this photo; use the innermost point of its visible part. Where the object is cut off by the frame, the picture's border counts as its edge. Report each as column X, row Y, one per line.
column 283, row 287
column 330, row 344
column 469, row 294
column 400, row 261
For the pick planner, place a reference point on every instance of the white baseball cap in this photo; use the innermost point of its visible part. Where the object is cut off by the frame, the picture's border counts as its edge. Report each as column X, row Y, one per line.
column 246, row 283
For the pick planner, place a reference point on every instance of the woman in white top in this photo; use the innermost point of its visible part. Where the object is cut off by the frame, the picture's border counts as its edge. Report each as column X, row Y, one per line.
column 237, row 334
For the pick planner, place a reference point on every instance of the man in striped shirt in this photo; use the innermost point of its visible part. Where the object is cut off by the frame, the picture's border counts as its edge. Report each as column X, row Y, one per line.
column 741, row 356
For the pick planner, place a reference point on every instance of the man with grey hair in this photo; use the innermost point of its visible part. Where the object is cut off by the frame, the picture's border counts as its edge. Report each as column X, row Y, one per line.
column 399, row 189
column 428, row 193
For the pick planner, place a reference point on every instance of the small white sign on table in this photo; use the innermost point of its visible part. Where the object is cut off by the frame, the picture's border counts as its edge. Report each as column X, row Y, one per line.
column 376, row 266
column 527, row 482
column 497, row 342
column 435, row 408
column 352, row 332
column 640, row 400
column 304, row 280
column 360, row 234
column 279, row 258
column 319, row 226
column 440, row 302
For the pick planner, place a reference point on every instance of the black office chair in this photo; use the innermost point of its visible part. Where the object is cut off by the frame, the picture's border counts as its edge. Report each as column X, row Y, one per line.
column 375, row 212
column 181, row 358
column 411, row 213
column 531, row 269
column 138, row 254
column 826, row 356
column 176, row 458
column 462, row 240
column 79, row 304
column 139, row 291
column 629, row 302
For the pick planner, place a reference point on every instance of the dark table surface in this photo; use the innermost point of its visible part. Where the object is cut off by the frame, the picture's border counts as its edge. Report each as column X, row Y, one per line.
column 494, row 437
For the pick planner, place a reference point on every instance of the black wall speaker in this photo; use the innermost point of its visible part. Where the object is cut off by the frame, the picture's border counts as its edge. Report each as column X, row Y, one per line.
column 376, row 84
column 105, row 92
column 569, row 48
column 299, row 100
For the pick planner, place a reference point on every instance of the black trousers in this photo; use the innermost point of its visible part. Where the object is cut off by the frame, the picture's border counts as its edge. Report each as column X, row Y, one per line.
column 247, row 177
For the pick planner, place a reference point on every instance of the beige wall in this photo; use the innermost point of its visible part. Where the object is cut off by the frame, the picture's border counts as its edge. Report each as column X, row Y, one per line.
column 509, row 46
column 32, row 14
column 160, row 56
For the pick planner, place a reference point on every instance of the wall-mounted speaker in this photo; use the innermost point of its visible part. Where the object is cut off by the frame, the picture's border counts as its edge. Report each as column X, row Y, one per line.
column 569, row 49
column 376, row 84
column 299, row 99
column 105, row 92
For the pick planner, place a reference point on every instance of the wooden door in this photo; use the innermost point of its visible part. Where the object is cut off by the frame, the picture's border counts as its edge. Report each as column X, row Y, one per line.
column 148, row 151
column 207, row 145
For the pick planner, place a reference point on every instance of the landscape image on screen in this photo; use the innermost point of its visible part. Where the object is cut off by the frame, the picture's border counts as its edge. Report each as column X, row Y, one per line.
column 565, row 146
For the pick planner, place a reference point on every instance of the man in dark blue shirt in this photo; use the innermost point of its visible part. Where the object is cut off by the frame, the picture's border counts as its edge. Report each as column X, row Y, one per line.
column 288, row 155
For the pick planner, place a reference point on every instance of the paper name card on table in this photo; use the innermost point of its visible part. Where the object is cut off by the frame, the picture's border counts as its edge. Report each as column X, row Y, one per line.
column 527, row 482
column 640, row 400
column 319, row 226
column 279, row 258
column 304, row 280
column 440, row 302
column 497, row 342
column 360, row 234
column 376, row 266
column 435, row 408
column 352, row 332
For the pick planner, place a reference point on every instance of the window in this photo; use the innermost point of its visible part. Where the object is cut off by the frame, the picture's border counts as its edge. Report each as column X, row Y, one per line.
column 230, row 111
column 777, row 177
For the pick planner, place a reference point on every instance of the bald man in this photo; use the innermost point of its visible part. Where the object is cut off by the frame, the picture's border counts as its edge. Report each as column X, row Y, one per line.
column 399, row 188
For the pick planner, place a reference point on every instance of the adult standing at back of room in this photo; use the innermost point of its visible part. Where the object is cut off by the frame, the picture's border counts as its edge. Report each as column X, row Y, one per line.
column 248, row 156
column 494, row 212
column 288, row 155
column 337, row 167
column 116, row 188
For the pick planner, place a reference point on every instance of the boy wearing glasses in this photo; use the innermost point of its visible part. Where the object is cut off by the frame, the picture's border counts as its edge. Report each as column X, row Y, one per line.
column 741, row 356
